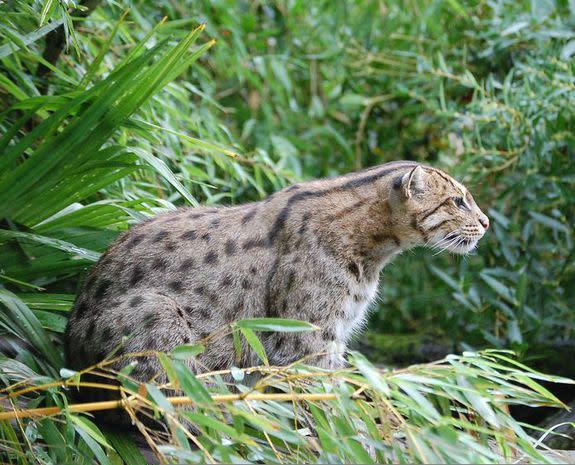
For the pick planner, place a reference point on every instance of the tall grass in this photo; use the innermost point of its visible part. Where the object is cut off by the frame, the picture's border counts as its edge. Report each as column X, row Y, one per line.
column 454, row 410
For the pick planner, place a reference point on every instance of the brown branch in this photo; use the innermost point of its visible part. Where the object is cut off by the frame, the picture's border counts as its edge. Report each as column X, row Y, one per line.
column 180, row 400
column 359, row 135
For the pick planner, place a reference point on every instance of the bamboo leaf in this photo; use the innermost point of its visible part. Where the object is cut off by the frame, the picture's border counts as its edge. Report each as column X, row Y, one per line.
column 276, row 324
column 166, row 173
column 78, row 252
column 8, row 49
column 90, row 428
column 192, row 387
column 255, row 344
column 125, row 447
column 184, row 352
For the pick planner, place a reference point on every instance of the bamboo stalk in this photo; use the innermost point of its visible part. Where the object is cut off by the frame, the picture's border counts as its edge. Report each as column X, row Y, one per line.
column 181, row 400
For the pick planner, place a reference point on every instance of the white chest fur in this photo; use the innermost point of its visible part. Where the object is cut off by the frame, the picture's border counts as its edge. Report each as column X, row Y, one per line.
column 355, row 308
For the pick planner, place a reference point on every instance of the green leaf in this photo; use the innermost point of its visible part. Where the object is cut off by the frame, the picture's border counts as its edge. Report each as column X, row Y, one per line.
column 209, row 422
column 184, row 352
column 46, row 301
column 191, row 386
column 93, row 445
column 501, row 289
column 237, row 345
column 52, row 436
column 255, row 344
column 159, row 398
column 102, row 109
column 421, row 404
column 198, row 144
column 166, row 173
column 56, row 243
column 568, row 50
column 445, row 278
column 51, row 321
column 90, row 428
column 100, row 57
column 22, row 322
column 499, row 217
column 8, row 49
column 458, row 8
column 480, row 402
column 550, row 222
column 124, row 445
column 168, row 367
column 276, row 324
column 370, row 372
column 514, row 28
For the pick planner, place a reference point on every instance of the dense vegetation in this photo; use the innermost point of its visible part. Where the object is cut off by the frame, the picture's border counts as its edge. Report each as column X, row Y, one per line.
column 110, row 113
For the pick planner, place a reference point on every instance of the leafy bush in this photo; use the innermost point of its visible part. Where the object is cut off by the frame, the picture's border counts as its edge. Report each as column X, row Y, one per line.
column 506, row 112
column 358, row 415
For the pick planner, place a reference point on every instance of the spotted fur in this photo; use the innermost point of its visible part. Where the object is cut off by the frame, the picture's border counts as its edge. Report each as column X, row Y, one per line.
column 313, row 252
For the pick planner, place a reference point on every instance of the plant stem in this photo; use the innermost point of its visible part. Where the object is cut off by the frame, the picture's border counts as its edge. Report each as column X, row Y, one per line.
column 181, row 400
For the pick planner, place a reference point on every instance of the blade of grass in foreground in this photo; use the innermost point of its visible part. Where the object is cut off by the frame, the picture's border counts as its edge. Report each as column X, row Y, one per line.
column 125, row 447
column 56, row 243
column 22, row 322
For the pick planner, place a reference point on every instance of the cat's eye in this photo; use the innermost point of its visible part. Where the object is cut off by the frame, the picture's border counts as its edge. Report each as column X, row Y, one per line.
column 460, row 202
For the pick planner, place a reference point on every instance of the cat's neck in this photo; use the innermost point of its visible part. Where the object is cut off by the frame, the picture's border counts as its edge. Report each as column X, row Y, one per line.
column 358, row 228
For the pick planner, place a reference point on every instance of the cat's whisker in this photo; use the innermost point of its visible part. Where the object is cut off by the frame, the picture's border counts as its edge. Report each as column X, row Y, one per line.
column 445, row 243
column 450, row 244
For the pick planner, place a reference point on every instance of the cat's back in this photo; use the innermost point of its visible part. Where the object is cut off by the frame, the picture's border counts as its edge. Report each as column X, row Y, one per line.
column 165, row 252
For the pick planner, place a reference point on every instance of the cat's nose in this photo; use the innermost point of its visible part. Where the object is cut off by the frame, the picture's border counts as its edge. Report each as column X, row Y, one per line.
column 484, row 221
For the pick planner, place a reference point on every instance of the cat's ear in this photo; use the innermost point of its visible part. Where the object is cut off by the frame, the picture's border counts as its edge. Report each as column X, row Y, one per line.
column 412, row 183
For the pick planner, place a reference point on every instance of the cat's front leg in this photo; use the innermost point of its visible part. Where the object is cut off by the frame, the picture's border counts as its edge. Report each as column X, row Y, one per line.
column 316, row 348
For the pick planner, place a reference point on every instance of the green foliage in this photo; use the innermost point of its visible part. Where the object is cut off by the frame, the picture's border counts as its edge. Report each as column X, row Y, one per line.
column 137, row 116
column 358, row 415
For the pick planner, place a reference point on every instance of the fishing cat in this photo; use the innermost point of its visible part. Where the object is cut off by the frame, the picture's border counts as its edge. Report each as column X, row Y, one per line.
column 313, row 252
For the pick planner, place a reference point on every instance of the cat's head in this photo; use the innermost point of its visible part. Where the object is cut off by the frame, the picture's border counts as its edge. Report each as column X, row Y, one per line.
column 441, row 212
